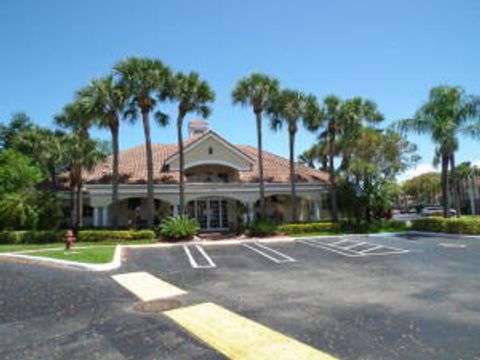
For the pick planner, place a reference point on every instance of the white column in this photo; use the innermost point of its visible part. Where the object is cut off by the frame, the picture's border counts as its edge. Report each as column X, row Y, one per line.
column 96, row 215
column 301, row 204
column 318, row 209
column 245, row 214
column 105, row 216
column 251, row 211
column 175, row 209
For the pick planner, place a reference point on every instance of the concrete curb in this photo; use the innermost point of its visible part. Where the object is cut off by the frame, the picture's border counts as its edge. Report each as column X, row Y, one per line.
column 457, row 236
column 119, row 249
column 114, row 264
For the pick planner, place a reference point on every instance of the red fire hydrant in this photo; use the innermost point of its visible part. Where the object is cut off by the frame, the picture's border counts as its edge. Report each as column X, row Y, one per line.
column 69, row 239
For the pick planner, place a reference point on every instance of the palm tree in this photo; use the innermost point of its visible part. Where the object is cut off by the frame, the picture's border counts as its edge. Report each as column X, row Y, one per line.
column 313, row 154
column 448, row 113
column 82, row 154
column 330, row 117
column 289, row 108
column 257, row 91
column 341, row 121
column 76, row 117
column 145, row 81
column 354, row 114
column 192, row 95
column 465, row 175
column 106, row 100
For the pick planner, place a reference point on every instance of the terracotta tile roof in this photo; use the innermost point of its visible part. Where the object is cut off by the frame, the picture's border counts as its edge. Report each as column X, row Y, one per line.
column 133, row 167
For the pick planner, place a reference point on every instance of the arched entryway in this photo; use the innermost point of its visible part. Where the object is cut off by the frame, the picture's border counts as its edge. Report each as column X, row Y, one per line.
column 133, row 212
column 279, row 208
column 216, row 213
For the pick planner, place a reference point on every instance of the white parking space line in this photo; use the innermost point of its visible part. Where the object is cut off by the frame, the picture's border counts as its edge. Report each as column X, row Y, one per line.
column 203, row 253
column 339, row 242
column 286, row 257
column 354, row 245
column 146, row 286
column 325, row 247
column 372, row 248
column 262, row 250
column 452, row 245
column 350, row 250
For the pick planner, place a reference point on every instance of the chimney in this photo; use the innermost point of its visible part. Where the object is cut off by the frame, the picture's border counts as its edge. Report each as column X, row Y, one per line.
column 197, row 127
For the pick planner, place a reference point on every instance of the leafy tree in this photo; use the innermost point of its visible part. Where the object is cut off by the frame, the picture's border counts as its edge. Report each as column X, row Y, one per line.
column 376, row 158
column 44, row 147
column 105, row 99
column 257, row 91
column 17, row 173
column 18, row 177
column 289, row 108
column 423, row 188
column 448, row 113
column 48, row 209
column 145, row 81
column 18, row 123
column 17, row 212
column 341, row 122
column 192, row 95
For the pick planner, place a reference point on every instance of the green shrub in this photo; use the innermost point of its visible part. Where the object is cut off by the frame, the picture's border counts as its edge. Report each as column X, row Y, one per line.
column 309, row 227
column 372, row 226
column 115, row 235
column 31, row 237
column 463, row 225
column 178, row 227
column 262, row 227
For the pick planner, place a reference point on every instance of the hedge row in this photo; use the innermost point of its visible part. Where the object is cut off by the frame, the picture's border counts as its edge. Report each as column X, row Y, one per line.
column 111, row 235
column 46, row 237
column 309, row 227
column 31, row 237
column 373, row 226
column 466, row 225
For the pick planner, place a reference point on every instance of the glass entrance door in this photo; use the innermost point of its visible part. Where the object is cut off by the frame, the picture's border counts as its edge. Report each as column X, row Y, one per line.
column 211, row 213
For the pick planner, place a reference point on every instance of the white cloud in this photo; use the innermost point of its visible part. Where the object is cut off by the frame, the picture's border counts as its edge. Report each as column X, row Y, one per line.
column 419, row 169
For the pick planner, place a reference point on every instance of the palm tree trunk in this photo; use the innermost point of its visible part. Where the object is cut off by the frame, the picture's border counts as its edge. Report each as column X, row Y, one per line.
column 148, row 150
column 471, row 196
column 455, row 187
column 73, row 203
column 331, row 170
column 79, row 224
column 115, row 146
column 445, row 186
column 291, row 144
column 474, row 191
column 261, row 183
column 181, row 181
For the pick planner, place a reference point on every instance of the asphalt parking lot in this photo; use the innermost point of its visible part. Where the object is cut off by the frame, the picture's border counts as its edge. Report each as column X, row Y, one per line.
column 355, row 297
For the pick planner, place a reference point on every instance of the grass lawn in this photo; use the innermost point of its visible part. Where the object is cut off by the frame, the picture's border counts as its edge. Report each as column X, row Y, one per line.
column 92, row 255
column 23, row 247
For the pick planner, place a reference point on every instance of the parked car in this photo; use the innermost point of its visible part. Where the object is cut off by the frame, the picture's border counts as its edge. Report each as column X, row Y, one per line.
column 436, row 211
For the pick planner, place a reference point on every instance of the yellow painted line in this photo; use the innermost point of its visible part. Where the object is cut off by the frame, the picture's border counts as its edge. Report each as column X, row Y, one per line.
column 238, row 337
column 146, row 286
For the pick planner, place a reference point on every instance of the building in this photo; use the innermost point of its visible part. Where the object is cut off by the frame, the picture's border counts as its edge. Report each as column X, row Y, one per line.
column 221, row 187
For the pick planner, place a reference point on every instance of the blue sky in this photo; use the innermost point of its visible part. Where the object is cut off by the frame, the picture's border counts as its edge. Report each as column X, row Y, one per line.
column 390, row 52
